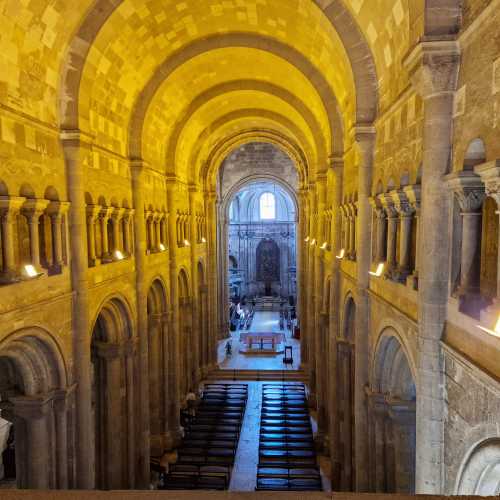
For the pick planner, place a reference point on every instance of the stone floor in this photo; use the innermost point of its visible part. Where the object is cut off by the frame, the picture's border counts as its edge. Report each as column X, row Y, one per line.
column 264, row 321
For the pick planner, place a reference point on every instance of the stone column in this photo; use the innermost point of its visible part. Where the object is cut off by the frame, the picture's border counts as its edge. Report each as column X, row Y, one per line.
column 128, row 216
column 9, row 209
column 433, row 68
column 365, row 142
column 413, row 195
column 33, row 210
column 377, row 415
column 301, row 278
column 337, row 167
column 213, row 279
column 353, row 230
column 402, row 414
column 320, row 320
column 381, row 234
column 36, row 455
column 405, row 211
column 138, row 170
column 61, row 420
column 469, row 192
column 76, row 152
column 92, row 216
column 56, row 210
column 104, row 216
column 392, row 228
column 116, row 217
column 347, row 230
column 174, row 360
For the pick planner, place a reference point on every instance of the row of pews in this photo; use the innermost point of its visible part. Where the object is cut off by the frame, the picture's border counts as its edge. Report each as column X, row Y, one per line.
column 206, row 456
column 287, row 458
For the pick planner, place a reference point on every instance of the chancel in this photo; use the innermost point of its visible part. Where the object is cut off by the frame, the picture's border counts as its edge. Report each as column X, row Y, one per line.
column 249, row 245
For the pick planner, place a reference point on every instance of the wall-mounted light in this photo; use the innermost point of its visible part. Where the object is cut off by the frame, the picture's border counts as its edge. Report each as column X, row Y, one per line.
column 341, row 254
column 495, row 332
column 313, row 242
column 324, row 246
column 307, row 239
column 203, row 239
column 378, row 271
column 30, row 271
column 186, row 243
column 119, row 255
column 162, row 247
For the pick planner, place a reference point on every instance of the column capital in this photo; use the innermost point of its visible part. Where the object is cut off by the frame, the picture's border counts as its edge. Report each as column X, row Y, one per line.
column 128, row 213
column 387, row 202
column 433, row 67
column 401, row 203
column 93, row 211
column 107, row 350
column 76, row 138
column 413, row 194
column 105, row 212
column 468, row 189
column 58, row 208
column 11, row 205
column 31, row 407
column 34, row 208
column 401, row 411
column 336, row 163
column 489, row 173
column 117, row 213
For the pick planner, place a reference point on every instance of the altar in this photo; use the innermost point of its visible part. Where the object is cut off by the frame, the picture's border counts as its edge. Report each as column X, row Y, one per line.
column 262, row 342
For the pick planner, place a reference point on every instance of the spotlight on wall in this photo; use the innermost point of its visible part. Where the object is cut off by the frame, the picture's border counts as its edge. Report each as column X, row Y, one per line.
column 30, row 271
column 307, row 239
column 203, row 239
column 119, row 255
column 313, row 242
column 162, row 247
column 378, row 271
column 324, row 246
column 496, row 330
column 186, row 243
column 341, row 254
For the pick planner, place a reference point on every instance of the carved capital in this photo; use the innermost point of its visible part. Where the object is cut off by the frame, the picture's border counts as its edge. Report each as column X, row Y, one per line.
column 490, row 175
column 468, row 189
column 433, row 67
column 413, row 194
column 402, row 204
column 34, row 208
column 388, row 203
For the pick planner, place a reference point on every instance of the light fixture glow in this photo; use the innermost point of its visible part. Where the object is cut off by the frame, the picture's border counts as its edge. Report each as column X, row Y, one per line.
column 341, row 254
column 186, row 243
column 495, row 332
column 307, row 239
column 30, row 270
column 379, row 271
column 324, row 245
column 119, row 255
column 203, row 239
column 162, row 247
column 313, row 242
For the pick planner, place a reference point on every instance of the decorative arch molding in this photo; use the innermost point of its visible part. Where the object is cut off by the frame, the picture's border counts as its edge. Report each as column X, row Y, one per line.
column 349, row 302
column 390, row 356
column 251, row 113
column 225, row 147
column 157, row 296
column 245, row 85
column 35, row 348
column 479, row 473
column 116, row 313
column 184, row 283
column 387, row 328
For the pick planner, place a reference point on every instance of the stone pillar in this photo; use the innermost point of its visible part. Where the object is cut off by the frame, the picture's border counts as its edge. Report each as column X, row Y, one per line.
column 213, row 279
column 320, row 319
column 116, row 218
column 104, row 216
column 76, row 151
column 365, row 142
column 301, row 278
column 56, row 210
column 9, row 209
column 35, row 456
column 433, row 68
column 413, row 195
column 402, row 414
column 61, row 420
column 347, row 230
column 128, row 216
column 92, row 216
column 381, row 234
column 33, row 210
column 174, row 360
column 392, row 228
column 337, row 167
column 353, row 230
column 138, row 170
column 377, row 415
column 405, row 211
column 470, row 193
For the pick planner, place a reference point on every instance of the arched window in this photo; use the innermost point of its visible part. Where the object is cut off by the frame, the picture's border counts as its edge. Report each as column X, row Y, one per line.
column 267, row 206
